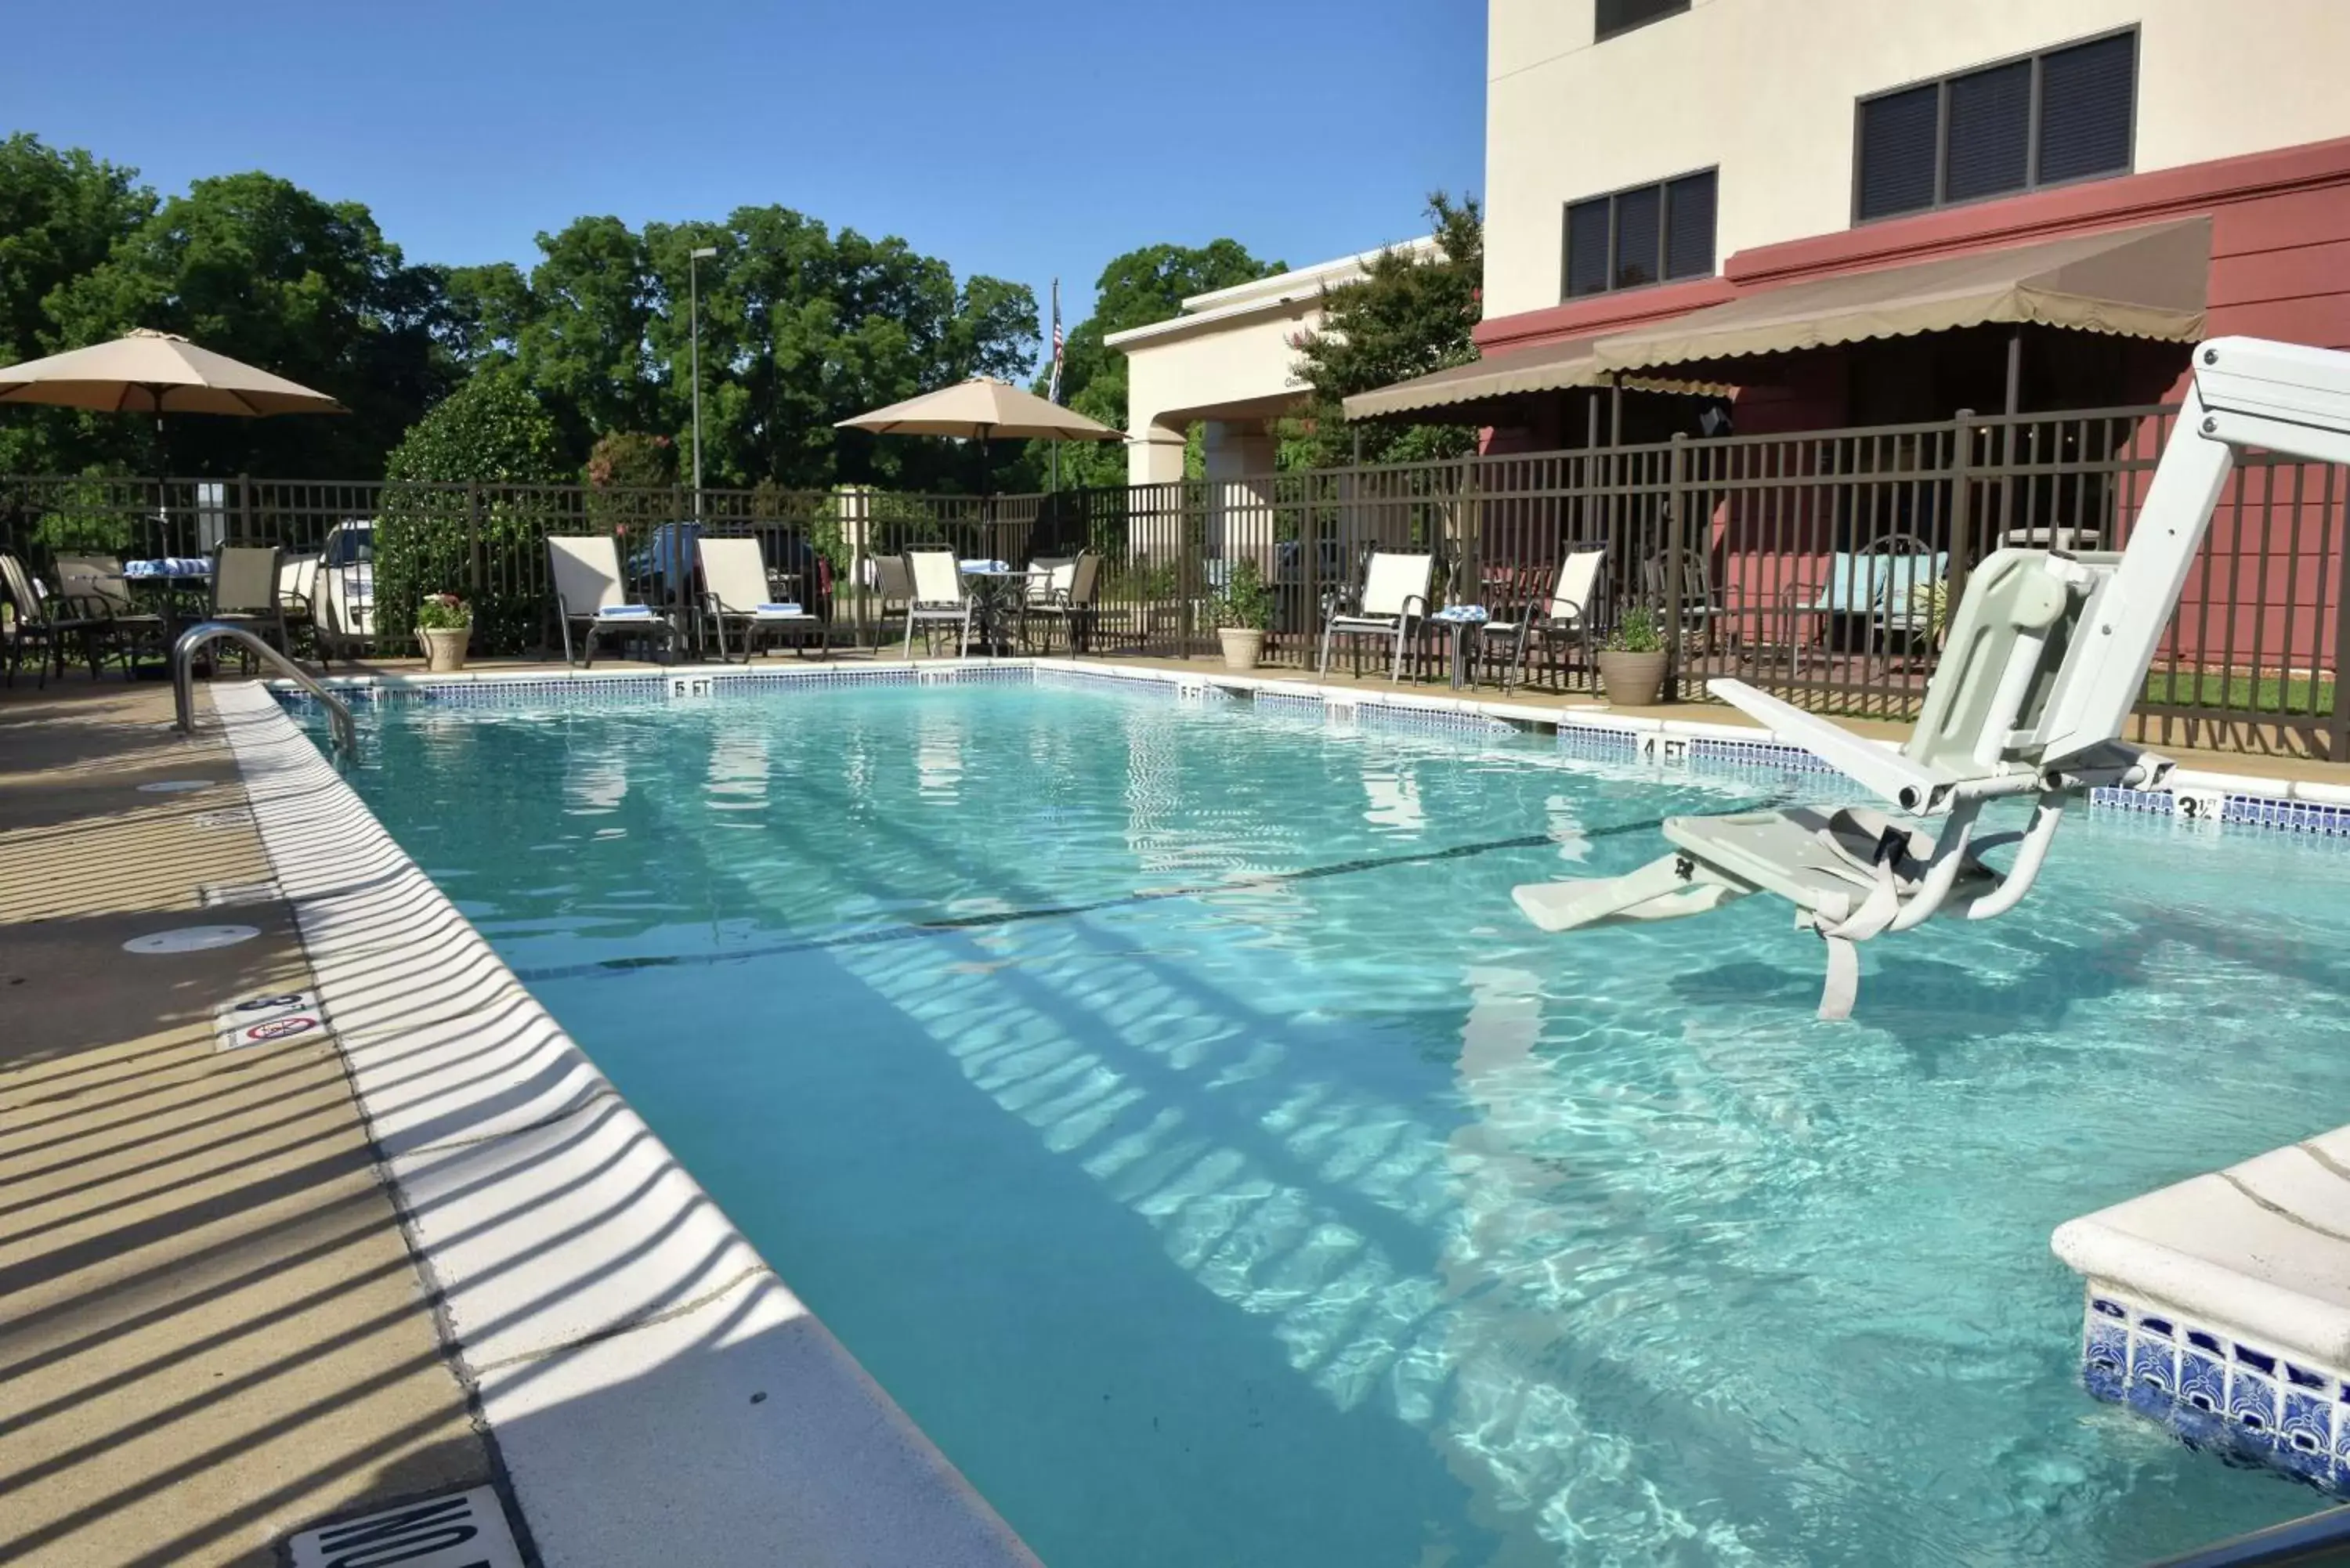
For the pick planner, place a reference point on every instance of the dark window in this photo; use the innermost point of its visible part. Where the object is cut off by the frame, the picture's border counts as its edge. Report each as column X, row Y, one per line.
column 2049, row 118
column 1616, row 16
column 1990, row 151
column 2086, row 97
column 1649, row 234
column 1587, row 248
column 1639, row 220
column 1898, row 147
column 1689, row 226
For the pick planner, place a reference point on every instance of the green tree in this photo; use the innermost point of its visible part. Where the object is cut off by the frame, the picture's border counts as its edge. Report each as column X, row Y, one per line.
column 1135, row 289
column 457, row 514
column 61, row 214
column 1409, row 316
column 256, row 267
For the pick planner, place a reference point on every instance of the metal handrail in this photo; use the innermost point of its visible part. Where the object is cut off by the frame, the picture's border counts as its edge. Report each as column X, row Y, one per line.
column 184, row 696
column 2305, row 1542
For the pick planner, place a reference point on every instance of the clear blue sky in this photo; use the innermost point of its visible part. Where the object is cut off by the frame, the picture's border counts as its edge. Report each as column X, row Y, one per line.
column 1025, row 139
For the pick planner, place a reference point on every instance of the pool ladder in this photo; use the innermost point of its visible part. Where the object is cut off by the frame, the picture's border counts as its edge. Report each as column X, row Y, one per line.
column 194, row 640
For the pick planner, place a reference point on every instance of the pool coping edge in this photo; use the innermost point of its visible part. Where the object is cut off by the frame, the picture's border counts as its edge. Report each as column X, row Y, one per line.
column 569, row 1256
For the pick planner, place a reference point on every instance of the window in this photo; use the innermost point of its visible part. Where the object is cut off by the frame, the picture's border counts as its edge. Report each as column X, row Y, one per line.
column 2013, row 127
column 1616, row 16
column 1649, row 234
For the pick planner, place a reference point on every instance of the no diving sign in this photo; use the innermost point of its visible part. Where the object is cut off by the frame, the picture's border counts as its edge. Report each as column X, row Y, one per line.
column 269, row 1019
column 460, row 1529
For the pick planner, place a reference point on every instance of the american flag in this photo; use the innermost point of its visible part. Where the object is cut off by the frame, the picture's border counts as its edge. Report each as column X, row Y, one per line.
column 1052, row 392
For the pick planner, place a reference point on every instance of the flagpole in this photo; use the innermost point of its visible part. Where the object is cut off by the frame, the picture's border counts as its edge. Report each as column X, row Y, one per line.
column 1053, row 388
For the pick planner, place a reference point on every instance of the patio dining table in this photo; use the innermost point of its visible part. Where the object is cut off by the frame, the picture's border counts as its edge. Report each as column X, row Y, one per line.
column 996, row 592
column 169, row 582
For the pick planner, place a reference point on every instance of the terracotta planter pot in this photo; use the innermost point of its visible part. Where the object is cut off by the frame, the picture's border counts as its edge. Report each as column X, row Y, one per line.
column 445, row 649
column 1244, row 646
column 1632, row 680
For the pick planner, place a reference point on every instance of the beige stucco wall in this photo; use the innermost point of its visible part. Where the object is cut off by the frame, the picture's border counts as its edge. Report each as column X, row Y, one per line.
column 1229, row 357
column 1764, row 90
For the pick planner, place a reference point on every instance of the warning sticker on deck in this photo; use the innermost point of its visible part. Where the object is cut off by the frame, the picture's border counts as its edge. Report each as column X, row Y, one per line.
column 457, row 1530
column 269, row 1019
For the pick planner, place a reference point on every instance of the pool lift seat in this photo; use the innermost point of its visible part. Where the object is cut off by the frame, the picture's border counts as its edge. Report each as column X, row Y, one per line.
column 2045, row 659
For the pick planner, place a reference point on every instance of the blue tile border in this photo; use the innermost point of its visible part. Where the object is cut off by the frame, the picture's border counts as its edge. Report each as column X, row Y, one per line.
column 2215, row 1391
column 1292, row 705
column 1409, row 720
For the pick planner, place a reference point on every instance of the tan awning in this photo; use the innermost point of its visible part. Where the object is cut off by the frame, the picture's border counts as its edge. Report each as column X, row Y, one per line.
column 1552, row 367
column 2144, row 282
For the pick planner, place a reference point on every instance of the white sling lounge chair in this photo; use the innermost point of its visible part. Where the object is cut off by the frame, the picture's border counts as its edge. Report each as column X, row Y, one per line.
column 1567, row 614
column 735, row 593
column 2045, row 659
column 589, row 594
column 1394, row 601
column 940, row 597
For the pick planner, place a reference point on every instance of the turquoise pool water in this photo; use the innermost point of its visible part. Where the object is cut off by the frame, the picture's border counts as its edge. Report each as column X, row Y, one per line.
column 1168, row 1107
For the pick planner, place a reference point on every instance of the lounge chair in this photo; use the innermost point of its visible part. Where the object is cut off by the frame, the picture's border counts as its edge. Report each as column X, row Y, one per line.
column 1566, row 614
column 735, row 593
column 1063, row 593
column 1392, row 604
column 939, row 596
column 590, row 596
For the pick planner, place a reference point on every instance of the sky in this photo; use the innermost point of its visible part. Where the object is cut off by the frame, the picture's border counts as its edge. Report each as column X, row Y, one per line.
column 1025, row 139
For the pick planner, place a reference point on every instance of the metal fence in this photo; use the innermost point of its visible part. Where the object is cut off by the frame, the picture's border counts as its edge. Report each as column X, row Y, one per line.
column 1817, row 564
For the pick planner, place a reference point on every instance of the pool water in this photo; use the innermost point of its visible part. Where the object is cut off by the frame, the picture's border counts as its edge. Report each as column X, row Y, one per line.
column 1168, row 1107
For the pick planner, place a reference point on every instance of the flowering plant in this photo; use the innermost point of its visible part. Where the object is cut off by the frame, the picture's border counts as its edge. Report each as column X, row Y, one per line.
column 442, row 612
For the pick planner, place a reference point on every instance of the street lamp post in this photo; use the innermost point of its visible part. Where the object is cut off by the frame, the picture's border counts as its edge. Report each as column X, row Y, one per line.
column 693, row 260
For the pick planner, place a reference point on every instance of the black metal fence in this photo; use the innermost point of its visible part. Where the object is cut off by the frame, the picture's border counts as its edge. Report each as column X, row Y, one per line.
column 1818, row 564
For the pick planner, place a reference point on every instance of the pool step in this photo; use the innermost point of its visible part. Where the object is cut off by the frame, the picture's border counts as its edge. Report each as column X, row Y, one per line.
column 2221, row 1306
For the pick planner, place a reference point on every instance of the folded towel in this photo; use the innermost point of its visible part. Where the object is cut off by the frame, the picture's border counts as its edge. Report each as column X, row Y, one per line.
column 1471, row 614
column 777, row 609
column 625, row 612
column 983, row 565
column 169, row 566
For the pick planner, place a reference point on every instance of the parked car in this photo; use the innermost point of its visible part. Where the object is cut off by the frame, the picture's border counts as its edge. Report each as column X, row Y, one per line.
column 335, row 585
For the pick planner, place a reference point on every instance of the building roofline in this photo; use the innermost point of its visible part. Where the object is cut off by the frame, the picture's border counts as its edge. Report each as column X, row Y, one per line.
column 1264, row 296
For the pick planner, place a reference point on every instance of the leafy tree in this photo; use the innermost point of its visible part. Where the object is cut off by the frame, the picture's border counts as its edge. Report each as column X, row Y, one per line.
column 1134, row 290
column 1406, row 316
column 630, row 459
column 257, row 268
column 61, row 211
column 453, row 519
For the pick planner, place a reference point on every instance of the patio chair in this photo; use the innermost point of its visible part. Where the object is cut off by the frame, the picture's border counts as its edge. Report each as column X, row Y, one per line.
column 1566, row 615
column 1063, row 595
column 590, row 596
column 893, row 587
column 245, row 593
column 735, row 593
column 937, row 597
column 1701, row 609
column 95, row 588
column 36, row 621
column 298, row 591
column 1392, row 605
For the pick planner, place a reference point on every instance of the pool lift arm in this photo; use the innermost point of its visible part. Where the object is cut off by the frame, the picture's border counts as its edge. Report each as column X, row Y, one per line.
column 2045, row 659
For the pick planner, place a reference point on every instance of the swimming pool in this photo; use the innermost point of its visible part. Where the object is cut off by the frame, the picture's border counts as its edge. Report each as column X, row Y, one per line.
column 1167, row 1105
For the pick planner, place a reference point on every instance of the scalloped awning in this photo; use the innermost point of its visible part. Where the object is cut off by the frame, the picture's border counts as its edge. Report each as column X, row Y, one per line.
column 2145, row 282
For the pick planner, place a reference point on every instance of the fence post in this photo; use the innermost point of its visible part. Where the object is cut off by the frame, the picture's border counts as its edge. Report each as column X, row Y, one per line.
column 1676, row 514
column 1963, row 490
column 244, row 509
column 2338, row 729
column 473, row 542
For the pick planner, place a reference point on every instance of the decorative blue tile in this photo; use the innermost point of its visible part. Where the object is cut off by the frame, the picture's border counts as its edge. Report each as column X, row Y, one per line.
column 1592, row 740
column 2252, row 1400
column 2105, row 1357
column 1398, row 717
column 1290, row 704
column 2202, row 1382
column 2306, row 1430
column 2154, row 1361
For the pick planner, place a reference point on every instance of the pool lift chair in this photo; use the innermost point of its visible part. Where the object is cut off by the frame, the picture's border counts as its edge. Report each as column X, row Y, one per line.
column 2045, row 659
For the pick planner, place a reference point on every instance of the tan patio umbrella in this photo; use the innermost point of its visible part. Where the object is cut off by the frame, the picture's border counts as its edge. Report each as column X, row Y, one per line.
column 156, row 373
column 148, row 372
column 981, row 409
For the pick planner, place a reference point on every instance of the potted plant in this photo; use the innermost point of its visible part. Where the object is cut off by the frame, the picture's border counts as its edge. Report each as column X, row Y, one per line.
column 1632, row 660
column 1243, row 611
column 444, row 623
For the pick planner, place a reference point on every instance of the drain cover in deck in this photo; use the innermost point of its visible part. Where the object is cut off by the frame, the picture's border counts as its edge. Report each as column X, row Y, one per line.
column 174, row 787
column 455, row 1530
column 192, row 939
